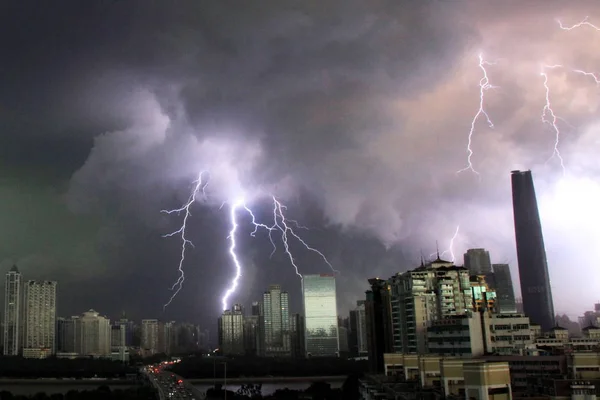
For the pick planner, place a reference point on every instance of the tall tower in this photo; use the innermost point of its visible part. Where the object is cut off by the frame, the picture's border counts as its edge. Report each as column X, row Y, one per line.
column 531, row 254
column 12, row 312
column 276, row 321
column 477, row 261
column 321, row 318
column 40, row 319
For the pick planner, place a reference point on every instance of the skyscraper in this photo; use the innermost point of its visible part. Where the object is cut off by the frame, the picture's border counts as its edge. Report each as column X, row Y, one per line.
column 477, row 261
column 12, row 312
column 150, row 336
column 501, row 280
column 378, row 315
column 276, row 322
column 92, row 332
column 531, row 254
column 231, row 331
column 320, row 313
column 40, row 319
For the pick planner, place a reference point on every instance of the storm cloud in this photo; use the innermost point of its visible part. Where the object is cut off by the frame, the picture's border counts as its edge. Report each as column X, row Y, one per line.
column 356, row 114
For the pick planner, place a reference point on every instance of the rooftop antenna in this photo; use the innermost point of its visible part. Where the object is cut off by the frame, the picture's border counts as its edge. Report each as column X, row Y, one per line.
column 422, row 259
column 437, row 249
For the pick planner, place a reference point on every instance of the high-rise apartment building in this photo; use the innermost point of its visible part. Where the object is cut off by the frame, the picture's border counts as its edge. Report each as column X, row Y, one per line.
column 12, row 312
column 65, row 334
column 477, row 261
column 231, row 331
column 359, row 325
column 276, row 319
column 501, row 280
column 40, row 319
column 320, row 313
column 378, row 315
column 427, row 293
column 531, row 254
column 297, row 335
column 252, row 337
column 150, row 340
column 92, row 335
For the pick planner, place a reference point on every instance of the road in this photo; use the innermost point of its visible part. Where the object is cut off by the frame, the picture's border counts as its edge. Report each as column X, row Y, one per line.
column 171, row 386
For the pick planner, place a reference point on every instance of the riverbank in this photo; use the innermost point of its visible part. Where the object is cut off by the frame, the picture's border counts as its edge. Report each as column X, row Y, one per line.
column 267, row 379
column 63, row 381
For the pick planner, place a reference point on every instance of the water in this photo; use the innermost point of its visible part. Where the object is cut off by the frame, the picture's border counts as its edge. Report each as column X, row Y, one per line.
column 270, row 388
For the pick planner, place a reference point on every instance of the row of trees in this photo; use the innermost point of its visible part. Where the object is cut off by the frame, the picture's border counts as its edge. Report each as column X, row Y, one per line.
column 207, row 367
column 316, row 391
column 102, row 393
column 17, row 367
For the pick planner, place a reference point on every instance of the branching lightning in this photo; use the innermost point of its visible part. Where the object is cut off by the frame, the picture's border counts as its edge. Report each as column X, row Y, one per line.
column 281, row 224
column 549, row 117
column 583, row 22
column 484, row 85
column 199, row 186
column 450, row 249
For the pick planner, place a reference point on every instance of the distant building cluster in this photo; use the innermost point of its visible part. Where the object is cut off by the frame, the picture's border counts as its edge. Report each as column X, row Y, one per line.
column 269, row 330
column 31, row 328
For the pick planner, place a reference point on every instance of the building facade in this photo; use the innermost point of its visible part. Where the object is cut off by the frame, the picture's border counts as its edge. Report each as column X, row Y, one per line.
column 12, row 312
column 39, row 339
column 297, row 330
column 92, row 335
column 431, row 292
column 531, row 254
column 378, row 315
column 150, row 340
column 231, row 331
column 478, row 262
column 320, row 313
column 276, row 319
column 501, row 280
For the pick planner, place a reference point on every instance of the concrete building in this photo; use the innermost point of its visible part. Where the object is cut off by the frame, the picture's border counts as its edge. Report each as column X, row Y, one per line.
column 65, row 334
column 39, row 339
column 231, row 331
column 321, row 317
column 297, row 336
column 12, row 312
column 150, row 340
column 430, row 292
column 358, row 329
column 501, row 280
column 276, row 319
column 92, row 335
column 509, row 333
column 531, row 253
column 487, row 381
column 458, row 336
column 378, row 315
column 253, row 345
column 477, row 261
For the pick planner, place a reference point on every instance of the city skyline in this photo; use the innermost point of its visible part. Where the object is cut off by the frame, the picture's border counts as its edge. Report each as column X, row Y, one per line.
column 367, row 121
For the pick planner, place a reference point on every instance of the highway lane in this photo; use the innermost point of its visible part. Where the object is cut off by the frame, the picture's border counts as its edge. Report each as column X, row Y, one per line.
column 171, row 386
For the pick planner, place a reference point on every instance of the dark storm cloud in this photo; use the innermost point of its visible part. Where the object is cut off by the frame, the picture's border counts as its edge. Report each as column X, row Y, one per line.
column 364, row 105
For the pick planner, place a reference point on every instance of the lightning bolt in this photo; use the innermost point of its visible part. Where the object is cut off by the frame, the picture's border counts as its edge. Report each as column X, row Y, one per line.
column 549, row 117
column 280, row 224
column 484, row 85
column 583, row 22
column 238, row 266
column 198, row 186
column 450, row 248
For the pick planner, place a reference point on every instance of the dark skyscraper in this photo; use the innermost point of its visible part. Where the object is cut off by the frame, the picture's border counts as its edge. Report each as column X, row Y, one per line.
column 531, row 254
column 501, row 280
column 477, row 261
column 378, row 315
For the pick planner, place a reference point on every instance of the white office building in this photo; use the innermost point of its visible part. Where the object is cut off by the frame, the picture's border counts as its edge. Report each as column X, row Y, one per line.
column 39, row 338
column 92, row 335
column 12, row 312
